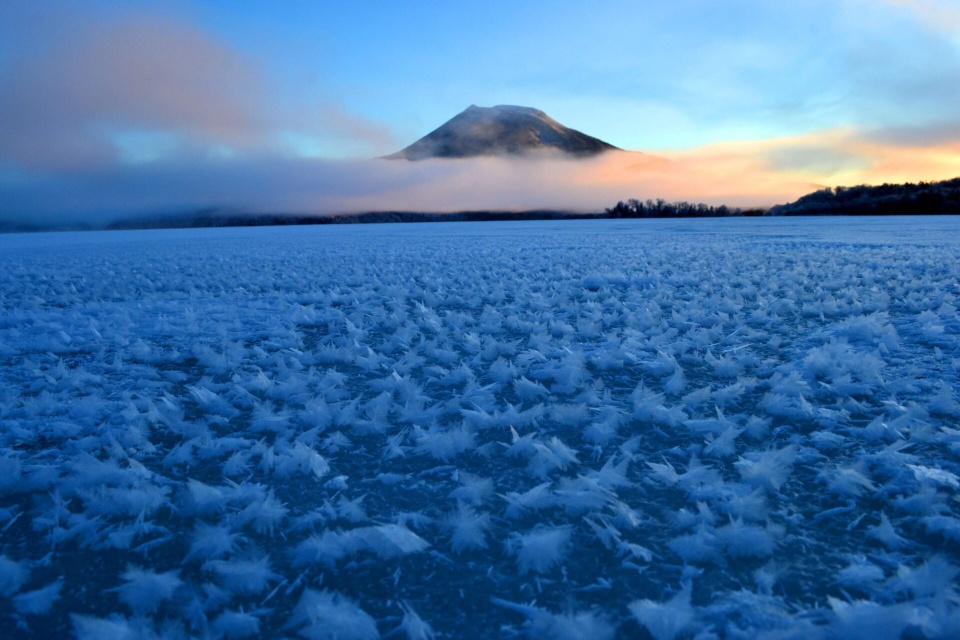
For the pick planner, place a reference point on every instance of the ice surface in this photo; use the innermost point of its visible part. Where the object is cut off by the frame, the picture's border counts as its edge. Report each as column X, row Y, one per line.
column 712, row 428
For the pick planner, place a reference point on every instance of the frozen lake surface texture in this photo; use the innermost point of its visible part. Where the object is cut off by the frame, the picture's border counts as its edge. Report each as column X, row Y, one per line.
column 666, row 429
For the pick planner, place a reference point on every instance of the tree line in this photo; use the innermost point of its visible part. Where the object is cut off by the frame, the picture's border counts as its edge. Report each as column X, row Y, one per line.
column 660, row 208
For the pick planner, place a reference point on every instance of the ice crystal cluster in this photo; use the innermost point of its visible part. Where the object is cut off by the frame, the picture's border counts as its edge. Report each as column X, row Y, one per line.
column 711, row 429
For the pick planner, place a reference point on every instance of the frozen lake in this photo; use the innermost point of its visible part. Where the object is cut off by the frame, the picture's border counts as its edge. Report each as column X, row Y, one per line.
column 578, row 429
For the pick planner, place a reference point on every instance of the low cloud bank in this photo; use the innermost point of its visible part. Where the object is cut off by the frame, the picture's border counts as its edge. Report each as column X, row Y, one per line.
column 321, row 187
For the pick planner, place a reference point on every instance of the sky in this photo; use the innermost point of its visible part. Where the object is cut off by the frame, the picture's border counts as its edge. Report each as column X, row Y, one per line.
column 111, row 108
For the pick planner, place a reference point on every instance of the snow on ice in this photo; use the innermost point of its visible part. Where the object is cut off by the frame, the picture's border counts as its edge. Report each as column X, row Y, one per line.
column 667, row 429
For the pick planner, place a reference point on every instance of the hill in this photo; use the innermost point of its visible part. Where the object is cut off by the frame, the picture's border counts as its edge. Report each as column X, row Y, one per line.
column 924, row 198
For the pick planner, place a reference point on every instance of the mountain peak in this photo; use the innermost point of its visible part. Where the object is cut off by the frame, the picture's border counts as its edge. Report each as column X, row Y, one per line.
column 501, row 130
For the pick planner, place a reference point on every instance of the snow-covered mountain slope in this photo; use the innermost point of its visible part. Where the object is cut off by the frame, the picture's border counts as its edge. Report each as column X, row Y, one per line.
column 707, row 428
column 501, row 130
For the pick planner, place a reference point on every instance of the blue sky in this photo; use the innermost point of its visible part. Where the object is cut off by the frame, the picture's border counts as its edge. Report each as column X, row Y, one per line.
column 646, row 75
column 816, row 92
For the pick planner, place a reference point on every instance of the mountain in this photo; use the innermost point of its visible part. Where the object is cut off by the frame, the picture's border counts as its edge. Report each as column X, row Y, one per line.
column 501, row 130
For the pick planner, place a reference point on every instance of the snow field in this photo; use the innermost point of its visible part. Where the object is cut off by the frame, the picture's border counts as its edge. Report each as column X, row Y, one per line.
column 711, row 428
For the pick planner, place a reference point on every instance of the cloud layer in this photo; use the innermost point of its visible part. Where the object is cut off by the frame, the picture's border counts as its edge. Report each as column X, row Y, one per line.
column 68, row 107
column 317, row 186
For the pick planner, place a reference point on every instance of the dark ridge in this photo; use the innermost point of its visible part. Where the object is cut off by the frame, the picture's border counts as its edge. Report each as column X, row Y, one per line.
column 501, row 130
column 211, row 219
column 923, row 198
column 32, row 227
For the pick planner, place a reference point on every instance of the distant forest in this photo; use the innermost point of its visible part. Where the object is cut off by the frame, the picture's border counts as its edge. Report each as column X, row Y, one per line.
column 924, row 198
column 660, row 208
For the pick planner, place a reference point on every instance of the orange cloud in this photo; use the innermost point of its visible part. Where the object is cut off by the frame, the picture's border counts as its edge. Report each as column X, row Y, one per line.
column 829, row 158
